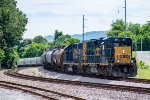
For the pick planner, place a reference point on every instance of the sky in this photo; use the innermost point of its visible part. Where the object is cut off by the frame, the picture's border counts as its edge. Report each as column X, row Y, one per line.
column 45, row 16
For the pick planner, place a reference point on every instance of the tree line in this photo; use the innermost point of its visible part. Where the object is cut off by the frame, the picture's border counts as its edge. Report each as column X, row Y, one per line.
column 138, row 33
column 36, row 46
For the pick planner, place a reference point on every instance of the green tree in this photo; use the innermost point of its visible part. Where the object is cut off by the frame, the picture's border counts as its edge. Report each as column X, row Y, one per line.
column 21, row 46
column 117, row 29
column 39, row 39
column 11, row 58
column 31, row 50
column 42, row 47
column 135, row 31
column 71, row 41
column 34, row 50
column 59, row 41
column 51, row 45
column 12, row 23
column 12, row 27
column 62, row 40
column 134, row 28
column 2, row 55
column 67, row 36
column 25, row 42
column 57, row 34
column 145, row 36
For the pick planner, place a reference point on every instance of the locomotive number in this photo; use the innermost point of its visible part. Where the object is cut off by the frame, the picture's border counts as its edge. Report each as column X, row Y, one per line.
column 124, row 56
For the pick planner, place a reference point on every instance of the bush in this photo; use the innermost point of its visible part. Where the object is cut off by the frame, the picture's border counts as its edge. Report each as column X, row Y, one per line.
column 34, row 50
column 2, row 55
column 11, row 58
column 31, row 50
column 143, row 71
column 142, row 65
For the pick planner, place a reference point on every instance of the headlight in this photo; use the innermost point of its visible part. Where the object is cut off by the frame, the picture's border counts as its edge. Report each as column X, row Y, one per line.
column 132, row 61
column 118, row 61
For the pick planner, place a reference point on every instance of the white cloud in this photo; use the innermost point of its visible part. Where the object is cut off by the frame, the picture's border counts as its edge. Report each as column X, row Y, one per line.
column 47, row 15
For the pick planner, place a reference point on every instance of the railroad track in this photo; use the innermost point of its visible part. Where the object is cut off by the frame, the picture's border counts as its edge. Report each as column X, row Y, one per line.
column 46, row 94
column 79, row 83
column 134, row 80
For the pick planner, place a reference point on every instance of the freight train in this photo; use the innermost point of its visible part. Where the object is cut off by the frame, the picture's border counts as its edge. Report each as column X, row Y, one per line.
column 35, row 61
column 104, row 56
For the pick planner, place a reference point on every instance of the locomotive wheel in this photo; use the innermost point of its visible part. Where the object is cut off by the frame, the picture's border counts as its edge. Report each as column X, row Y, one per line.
column 75, row 70
column 84, row 69
column 65, row 68
column 45, row 65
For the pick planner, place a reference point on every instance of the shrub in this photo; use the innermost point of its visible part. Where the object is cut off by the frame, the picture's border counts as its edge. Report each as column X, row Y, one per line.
column 11, row 58
column 142, row 65
column 2, row 55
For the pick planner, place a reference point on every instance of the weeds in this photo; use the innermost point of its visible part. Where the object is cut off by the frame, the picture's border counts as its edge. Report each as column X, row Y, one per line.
column 133, row 54
column 143, row 71
column 38, row 74
column 142, row 65
column 143, row 74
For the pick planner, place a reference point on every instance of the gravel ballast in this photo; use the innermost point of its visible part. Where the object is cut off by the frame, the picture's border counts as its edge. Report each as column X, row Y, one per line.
column 78, row 91
column 51, row 74
column 7, row 94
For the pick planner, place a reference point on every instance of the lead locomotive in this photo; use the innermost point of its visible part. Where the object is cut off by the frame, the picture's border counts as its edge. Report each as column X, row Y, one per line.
column 108, row 57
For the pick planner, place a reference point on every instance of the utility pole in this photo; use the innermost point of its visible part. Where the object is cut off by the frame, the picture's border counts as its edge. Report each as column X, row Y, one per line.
column 125, row 7
column 83, row 28
column 125, row 18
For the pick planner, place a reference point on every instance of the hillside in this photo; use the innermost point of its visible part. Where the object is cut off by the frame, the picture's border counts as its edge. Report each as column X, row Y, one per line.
column 87, row 36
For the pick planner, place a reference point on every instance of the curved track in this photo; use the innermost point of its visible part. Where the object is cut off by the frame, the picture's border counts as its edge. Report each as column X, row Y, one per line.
column 47, row 94
column 87, row 84
column 134, row 80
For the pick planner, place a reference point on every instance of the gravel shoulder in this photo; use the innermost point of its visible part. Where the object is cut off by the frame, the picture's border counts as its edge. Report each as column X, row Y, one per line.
column 7, row 94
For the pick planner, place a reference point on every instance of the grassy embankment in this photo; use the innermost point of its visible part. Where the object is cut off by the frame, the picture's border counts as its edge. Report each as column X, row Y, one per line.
column 143, row 70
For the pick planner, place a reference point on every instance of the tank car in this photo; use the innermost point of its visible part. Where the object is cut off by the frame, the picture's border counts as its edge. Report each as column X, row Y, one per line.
column 47, row 59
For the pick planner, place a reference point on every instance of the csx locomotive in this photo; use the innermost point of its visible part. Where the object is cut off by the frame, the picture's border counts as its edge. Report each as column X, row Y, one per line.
column 108, row 57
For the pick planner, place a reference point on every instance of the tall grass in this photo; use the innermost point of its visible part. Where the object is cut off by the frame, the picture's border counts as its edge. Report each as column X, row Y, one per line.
column 143, row 71
column 143, row 74
column 133, row 54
